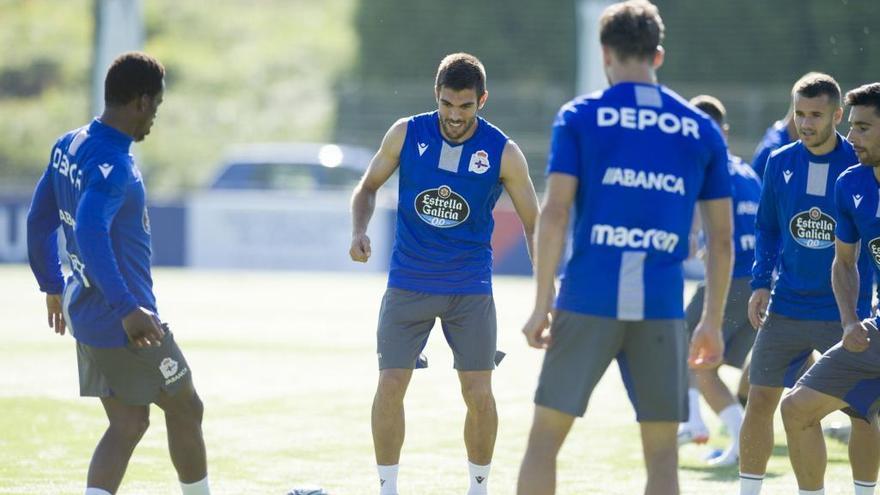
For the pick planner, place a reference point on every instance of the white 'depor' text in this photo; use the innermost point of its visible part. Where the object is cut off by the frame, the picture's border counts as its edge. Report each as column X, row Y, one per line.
column 642, row 118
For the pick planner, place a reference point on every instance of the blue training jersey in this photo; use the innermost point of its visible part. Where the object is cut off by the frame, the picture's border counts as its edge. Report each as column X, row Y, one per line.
column 446, row 194
column 774, row 138
column 857, row 197
column 746, row 191
column 94, row 191
column 795, row 227
column 643, row 156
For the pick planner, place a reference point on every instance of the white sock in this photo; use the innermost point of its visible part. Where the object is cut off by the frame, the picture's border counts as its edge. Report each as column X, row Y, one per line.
column 97, row 491
column 197, row 488
column 864, row 487
column 479, row 479
column 732, row 417
column 388, row 479
column 750, row 484
column 820, row 491
column 694, row 416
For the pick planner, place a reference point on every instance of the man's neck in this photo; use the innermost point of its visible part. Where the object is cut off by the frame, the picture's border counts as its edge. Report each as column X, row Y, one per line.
column 116, row 119
column 826, row 147
column 636, row 72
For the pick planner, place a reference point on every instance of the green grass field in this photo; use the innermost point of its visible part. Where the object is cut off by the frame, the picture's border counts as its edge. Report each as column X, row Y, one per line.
column 285, row 364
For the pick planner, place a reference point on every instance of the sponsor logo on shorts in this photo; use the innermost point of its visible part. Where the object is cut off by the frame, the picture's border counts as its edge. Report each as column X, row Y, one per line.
column 813, row 229
column 874, row 246
column 609, row 235
column 442, row 207
column 169, row 369
column 627, row 177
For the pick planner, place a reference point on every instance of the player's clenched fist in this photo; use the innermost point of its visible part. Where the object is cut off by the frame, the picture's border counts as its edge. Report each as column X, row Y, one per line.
column 360, row 248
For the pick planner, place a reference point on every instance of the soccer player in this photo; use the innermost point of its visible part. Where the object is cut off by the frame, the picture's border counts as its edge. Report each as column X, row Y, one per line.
column 776, row 136
column 795, row 234
column 453, row 165
column 848, row 375
column 738, row 333
column 633, row 160
column 93, row 189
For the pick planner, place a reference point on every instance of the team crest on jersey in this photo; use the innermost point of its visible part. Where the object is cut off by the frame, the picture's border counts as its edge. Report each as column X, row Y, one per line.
column 442, row 207
column 479, row 162
column 813, row 229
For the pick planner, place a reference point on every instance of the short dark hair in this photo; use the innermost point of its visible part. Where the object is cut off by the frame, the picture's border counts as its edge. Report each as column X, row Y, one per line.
column 814, row 84
column 460, row 71
column 131, row 76
column 867, row 95
column 632, row 29
column 712, row 107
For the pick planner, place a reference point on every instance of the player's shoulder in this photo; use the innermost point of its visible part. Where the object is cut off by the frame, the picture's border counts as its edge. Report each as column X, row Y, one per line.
column 855, row 175
column 578, row 107
column 785, row 151
column 493, row 130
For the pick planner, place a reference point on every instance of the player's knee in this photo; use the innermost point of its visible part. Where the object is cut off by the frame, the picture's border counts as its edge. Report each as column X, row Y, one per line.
column 762, row 401
column 130, row 429
column 392, row 386
column 794, row 413
column 478, row 398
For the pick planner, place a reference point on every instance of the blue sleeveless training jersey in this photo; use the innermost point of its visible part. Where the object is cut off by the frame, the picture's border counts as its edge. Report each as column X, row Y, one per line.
column 746, row 191
column 643, row 156
column 795, row 228
column 857, row 197
column 446, row 195
column 94, row 191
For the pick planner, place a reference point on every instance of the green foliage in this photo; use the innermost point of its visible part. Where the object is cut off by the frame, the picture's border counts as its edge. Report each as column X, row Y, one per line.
column 236, row 71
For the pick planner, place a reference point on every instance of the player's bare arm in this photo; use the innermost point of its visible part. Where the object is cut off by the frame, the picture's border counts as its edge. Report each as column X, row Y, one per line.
column 552, row 225
column 55, row 314
column 518, row 184
column 845, row 283
column 707, row 346
column 363, row 201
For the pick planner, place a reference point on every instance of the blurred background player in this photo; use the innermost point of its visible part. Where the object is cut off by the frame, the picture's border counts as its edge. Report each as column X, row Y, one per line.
column 848, row 375
column 795, row 235
column 613, row 152
column 453, row 165
column 737, row 332
column 93, row 189
column 776, row 136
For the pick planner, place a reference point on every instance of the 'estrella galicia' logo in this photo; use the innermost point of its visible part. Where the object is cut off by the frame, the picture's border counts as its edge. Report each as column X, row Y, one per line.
column 813, row 229
column 442, row 207
column 874, row 246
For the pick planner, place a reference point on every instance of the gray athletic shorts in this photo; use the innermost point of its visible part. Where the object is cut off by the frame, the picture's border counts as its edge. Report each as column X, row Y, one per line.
column 737, row 332
column 406, row 319
column 133, row 375
column 651, row 354
column 853, row 377
column 783, row 345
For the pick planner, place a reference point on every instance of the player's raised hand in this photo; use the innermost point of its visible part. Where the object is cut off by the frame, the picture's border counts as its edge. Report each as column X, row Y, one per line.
column 360, row 248
column 758, row 303
column 537, row 330
column 143, row 328
column 55, row 313
column 707, row 347
column 856, row 335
